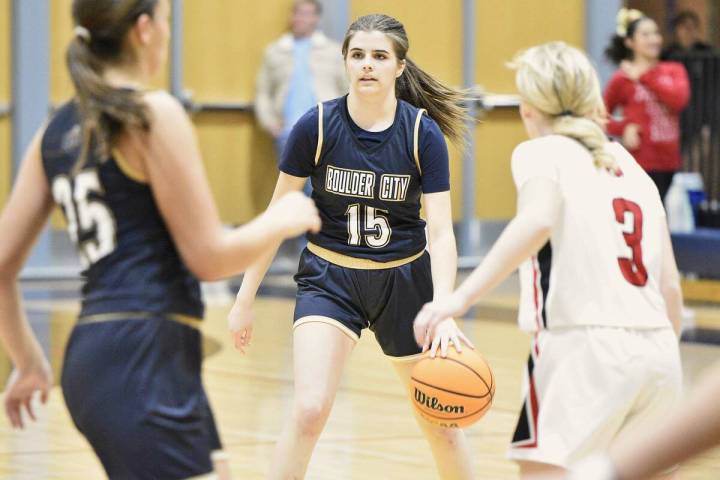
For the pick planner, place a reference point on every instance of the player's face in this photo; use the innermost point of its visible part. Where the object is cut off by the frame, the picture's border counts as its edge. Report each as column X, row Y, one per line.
column 372, row 64
column 646, row 41
column 687, row 33
column 304, row 19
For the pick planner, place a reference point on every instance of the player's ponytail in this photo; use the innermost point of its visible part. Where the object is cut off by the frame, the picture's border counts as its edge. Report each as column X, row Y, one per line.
column 559, row 81
column 445, row 105
column 100, row 30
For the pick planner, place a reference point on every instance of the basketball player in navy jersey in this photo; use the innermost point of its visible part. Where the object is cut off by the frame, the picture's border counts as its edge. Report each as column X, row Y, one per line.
column 600, row 291
column 371, row 156
column 124, row 165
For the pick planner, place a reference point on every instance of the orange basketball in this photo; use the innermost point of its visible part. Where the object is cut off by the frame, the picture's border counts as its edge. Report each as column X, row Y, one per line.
column 455, row 391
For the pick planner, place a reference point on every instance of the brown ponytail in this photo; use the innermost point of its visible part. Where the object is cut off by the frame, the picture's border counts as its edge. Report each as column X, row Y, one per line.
column 447, row 106
column 105, row 111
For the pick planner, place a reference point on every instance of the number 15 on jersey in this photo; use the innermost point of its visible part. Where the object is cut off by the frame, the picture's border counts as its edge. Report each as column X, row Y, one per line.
column 374, row 220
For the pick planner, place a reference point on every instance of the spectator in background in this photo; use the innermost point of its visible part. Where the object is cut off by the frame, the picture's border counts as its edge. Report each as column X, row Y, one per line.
column 651, row 95
column 300, row 69
column 686, row 35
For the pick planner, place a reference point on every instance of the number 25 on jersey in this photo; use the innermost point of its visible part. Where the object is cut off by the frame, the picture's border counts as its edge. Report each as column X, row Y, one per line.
column 90, row 224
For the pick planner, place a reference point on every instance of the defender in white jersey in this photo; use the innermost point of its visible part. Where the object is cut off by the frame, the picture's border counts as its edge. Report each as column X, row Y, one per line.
column 599, row 286
column 602, row 263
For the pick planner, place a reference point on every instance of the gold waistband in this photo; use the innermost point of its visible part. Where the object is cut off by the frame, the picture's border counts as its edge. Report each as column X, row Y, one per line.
column 188, row 320
column 358, row 263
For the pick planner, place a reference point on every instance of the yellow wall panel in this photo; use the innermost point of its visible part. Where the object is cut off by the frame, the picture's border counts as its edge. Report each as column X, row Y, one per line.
column 495, row 140
column 503, row 29
column 224, row 43
column 239, row 162
column 5, row 160
column 5, row 59
column 5, row 69
column 60, row 35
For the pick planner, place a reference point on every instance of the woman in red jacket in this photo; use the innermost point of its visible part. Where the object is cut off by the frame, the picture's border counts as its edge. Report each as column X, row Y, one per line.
column 651, row 95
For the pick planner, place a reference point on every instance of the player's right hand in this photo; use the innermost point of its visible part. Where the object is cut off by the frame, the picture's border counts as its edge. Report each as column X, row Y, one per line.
column 240, row 322
column 21, row 386
column 438, row 312
column 295, row 214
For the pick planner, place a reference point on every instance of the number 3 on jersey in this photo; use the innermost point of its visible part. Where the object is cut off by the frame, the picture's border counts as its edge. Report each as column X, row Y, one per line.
column 86, row 216
column 374, row 222
column 633, row 268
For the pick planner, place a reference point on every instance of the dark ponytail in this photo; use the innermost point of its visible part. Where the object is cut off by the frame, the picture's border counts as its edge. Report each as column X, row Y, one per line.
column 617, row 51
column 445, row 105
column 105, row 111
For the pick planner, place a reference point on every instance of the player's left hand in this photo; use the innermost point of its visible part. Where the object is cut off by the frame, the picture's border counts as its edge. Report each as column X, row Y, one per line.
column 22, row 385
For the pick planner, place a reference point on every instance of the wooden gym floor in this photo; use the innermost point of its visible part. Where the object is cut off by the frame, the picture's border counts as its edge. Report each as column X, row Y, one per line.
column 371, row 432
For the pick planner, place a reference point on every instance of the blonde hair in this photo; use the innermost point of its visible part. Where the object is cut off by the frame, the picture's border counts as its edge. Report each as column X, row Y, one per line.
column 559, row 81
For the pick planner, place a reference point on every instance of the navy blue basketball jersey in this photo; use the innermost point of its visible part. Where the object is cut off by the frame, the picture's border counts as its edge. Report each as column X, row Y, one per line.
column 368, row 194
column 131, row 263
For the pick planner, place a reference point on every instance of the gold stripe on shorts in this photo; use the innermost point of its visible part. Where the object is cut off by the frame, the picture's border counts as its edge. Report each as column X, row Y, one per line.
column 358, row 263
column 187, row 320
column 416, row 357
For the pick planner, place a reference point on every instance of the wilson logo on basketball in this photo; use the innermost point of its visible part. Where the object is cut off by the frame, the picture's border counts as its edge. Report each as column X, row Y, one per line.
column 433, row 403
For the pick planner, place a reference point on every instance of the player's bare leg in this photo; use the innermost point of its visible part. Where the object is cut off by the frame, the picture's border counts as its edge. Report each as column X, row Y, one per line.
column 320, row 353
column 449, row 446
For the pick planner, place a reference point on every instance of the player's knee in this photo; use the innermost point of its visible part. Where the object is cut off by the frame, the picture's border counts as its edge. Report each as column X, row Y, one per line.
column 311, row 415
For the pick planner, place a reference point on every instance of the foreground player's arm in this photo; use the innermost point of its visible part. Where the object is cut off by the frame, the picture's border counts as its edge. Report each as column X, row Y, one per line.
column 645, row 453
column 693, row 428
column 183, row 195
column 670, row 283
column 21, row 222
column 539, row 206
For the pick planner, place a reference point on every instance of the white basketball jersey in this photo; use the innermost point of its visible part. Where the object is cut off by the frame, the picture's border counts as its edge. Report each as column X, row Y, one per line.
column 602, row 264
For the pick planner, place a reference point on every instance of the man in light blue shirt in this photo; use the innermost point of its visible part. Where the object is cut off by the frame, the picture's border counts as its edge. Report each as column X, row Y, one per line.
column 299, row 70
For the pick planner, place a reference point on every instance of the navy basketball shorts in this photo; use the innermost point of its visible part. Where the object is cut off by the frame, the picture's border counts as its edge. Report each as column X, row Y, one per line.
column 386, row 301
column 134, row 391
